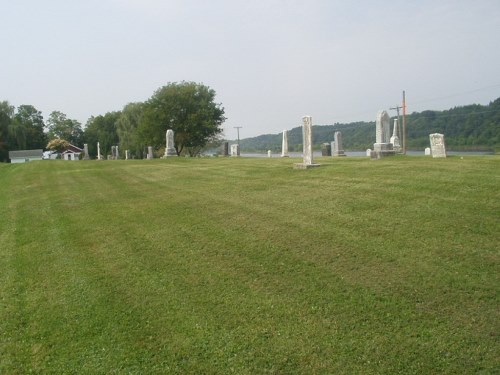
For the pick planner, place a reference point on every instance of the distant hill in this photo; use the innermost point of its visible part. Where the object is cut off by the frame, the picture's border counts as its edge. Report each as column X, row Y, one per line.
column 471, row 127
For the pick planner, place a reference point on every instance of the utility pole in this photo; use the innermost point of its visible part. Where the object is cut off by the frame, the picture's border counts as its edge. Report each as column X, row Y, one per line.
column 404, row 123
column 238, row 130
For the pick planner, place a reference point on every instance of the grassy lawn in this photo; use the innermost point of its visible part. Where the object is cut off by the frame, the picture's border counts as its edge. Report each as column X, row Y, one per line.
column 247, row 266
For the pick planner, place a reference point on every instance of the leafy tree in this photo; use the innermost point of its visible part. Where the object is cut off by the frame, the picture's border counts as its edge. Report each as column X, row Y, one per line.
column 101, row 129
column 31, row 120
column 62, row 127
column 6, row 114
column 126, row 127
column 188, row 109
column 58, row 144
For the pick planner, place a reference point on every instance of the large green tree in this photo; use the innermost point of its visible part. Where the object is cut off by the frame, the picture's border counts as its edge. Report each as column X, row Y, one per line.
column 189, row 109
column 126, row 127
column 60, row 126
column 6, row 114
column 101, row 129
column 31, row 120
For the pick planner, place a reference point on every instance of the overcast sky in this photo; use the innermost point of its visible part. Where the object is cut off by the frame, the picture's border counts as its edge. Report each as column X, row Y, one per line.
column 270, row 61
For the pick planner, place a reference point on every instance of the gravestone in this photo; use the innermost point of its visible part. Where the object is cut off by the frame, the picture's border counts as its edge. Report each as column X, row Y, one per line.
column 338, row 150
column 438, row 149
column 225, row 149
column 126, row 154
column 284, row 145
column 382, row 143
column 85, row 151
column 308, row 161
column 326, row 149
column 170, row 147
column 117, row 153
column 268, row 153
column 150, row 152
column 396, row 146
column 235, row 150
column 368, row 152
column 113, row 152
column 427, row 151
column 98, row 151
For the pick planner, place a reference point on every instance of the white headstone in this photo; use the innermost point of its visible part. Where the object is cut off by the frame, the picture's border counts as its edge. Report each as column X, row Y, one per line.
column 235, row 150
column 86, row 151
column 396, row 146
column 150, row 152
column 438, row 149
column 284, row 144
column 382, row 143
column 126, row 154
column 427, row 151
column 338, row 151
column 268, row 153
column 98, row 151
column 368, row 152
column 170, row 147
column 117, row 154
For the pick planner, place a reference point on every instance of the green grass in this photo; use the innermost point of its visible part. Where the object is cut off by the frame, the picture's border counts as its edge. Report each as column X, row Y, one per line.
column 247, row 266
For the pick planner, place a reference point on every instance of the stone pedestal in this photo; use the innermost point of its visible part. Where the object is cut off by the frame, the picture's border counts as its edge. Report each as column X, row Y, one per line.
column 326, row 149
column 86, row 151
column 150, row 152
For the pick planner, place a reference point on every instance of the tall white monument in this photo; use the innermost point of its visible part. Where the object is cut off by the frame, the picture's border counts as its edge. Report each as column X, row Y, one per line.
column 235, row 150
column 338, row 149
column 284, row 144
column 170, row 147
column 308, row 161
column 382, row 145
column 98, row 151
column 396, row 146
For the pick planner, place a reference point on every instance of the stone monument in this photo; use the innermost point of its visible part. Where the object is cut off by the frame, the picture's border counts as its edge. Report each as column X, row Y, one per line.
column 235, row 150
column 308, row 161
column 284, row 145
column 338, row 150
column 225, row 149
column 427, row 151
column 117, row 154
column 170, row 148
column 126, row 154
column 438, row 149
column 382, row 145
column 86, row 151
column 150, row 152
column 98, row 151
column 268, row 153
column 396, row 146
column 326, row 149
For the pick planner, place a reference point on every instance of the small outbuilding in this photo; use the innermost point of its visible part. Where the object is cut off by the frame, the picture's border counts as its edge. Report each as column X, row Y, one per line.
column 24, row 156
column 71, row 153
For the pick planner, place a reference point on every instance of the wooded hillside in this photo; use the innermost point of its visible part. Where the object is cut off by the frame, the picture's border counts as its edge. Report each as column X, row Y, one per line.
column 471, row 127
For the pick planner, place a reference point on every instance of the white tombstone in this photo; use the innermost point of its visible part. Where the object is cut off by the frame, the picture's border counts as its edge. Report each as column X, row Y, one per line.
column 427, row 151
column 438, row 149
column 117, row 154
column 284, row 145
column 368, row 152
column 382, row 143
column 98, row 151
column 126, row 154
column 268, row 153
column 150, row 152
column 308, row 160
column 86, row 151
column 170, row 147
column 396, row 146
column 338, row 150
column 235, row 150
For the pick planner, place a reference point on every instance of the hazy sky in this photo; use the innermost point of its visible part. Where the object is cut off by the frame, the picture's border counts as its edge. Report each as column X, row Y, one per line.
column 270, row 61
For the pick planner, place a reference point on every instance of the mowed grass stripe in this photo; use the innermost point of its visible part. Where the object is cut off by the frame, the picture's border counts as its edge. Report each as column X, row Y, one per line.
column 207, row 265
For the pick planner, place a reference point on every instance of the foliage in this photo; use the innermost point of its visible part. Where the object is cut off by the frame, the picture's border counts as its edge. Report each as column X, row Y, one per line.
column 188, row 109
column 58, row 144
column 102, row 129
column 246, row 266
column 60, row 126
column 31, row 120
column 126, row 127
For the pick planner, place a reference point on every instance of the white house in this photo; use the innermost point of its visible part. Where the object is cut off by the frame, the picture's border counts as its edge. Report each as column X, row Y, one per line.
column 71, row 153
column 24, row 156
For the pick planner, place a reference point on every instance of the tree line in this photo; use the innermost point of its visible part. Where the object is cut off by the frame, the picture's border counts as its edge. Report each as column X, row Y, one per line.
column 471, row 127
column 188, row 108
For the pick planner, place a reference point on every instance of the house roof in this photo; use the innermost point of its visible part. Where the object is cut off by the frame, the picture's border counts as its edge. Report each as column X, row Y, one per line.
column 25, row 154
column 73, row 148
